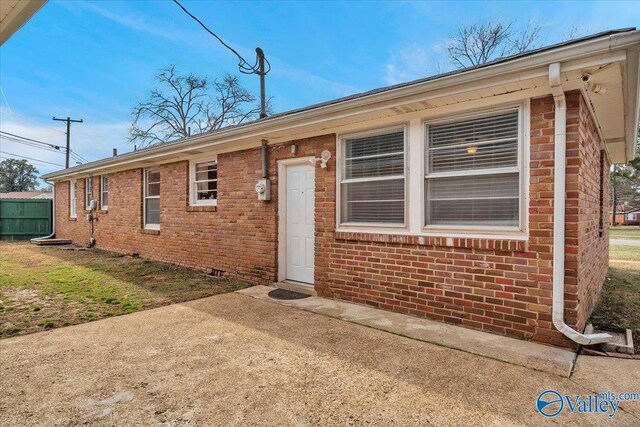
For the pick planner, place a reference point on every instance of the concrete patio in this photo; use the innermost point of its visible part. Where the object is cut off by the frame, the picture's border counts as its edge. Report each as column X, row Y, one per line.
column 518, row 352
column 236, row 360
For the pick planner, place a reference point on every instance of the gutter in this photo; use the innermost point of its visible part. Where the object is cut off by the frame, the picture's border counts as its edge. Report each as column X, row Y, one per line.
column 559, row 200
column 53, row 219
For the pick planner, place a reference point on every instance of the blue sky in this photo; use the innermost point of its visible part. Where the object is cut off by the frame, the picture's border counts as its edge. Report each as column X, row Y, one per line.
column 94, row 60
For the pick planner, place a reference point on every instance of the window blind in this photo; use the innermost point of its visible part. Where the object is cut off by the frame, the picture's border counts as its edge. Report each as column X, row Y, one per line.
column 482, row 143
column 373, row 182
column 474, row 200
column 472, row 172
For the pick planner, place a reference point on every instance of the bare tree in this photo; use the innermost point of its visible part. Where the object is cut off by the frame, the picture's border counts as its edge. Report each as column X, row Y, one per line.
column 484, row 41
column 572, row 33
column 183, row 103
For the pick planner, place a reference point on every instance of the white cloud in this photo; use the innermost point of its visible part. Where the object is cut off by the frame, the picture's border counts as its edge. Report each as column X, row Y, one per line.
column 198, row 38
column 138, row 23
column 412, row 62
column 307, row 79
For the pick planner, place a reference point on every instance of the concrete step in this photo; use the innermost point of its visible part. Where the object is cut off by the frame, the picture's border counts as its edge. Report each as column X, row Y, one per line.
column 49, row 242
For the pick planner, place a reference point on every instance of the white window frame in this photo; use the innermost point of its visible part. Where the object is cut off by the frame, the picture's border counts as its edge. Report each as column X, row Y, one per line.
column 521, row 168
column 193, row 201
column 341, row 157
column 145, row 197
column 73, row 198
column 415, row 191
column 102, row 192
column 88, row 184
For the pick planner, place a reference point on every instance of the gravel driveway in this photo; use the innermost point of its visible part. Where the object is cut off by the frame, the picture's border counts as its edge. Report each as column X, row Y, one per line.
column 234, row 360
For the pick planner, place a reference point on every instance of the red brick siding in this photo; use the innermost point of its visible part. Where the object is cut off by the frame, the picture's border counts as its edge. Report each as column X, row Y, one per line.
column 499, row 286
column 76, row 229
column 593, row 228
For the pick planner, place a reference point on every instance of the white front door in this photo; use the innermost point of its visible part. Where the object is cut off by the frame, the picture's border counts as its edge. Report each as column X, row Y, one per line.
column 300, row 225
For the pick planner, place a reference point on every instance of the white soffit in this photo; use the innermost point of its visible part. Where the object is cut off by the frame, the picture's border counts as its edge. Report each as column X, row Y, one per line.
column 14, row 14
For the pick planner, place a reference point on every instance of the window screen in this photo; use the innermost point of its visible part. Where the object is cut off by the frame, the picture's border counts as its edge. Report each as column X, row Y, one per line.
column 472, row 172
column 373, row 181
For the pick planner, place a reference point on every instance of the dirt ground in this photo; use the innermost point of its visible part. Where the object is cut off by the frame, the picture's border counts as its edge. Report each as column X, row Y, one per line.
column 231, row 360
column 618, row 307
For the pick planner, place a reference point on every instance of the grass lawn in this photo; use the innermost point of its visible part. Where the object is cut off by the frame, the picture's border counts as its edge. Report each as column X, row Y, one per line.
column 619, row 304
column 48, row 287
column 625, row 232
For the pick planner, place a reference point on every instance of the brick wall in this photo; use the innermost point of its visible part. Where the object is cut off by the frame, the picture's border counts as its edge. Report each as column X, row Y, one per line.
column 500, row 286
column 593, row 225
column 239, row 236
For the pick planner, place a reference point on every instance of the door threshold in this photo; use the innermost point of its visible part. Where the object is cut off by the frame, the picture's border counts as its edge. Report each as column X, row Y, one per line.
column 303, row 288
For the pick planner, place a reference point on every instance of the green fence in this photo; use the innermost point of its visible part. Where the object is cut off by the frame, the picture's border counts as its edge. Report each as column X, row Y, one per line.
column 23, row 219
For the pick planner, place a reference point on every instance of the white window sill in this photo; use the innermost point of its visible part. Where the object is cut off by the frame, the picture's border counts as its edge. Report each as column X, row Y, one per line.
column 458, row 234
column 209, row 203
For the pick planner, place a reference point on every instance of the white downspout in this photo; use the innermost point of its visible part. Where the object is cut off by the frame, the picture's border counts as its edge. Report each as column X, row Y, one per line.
column 53, row 217
column 559, row 200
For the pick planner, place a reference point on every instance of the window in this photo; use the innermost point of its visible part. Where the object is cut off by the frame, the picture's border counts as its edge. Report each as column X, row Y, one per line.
column 152, row 198
column 104, row 192
column 372, row 179
column 204, row 182
column 73, row 191
column 88, row 191
column 473, row 174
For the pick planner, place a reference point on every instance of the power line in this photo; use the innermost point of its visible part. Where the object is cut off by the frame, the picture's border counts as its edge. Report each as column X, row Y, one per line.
column 30, row 158
column 68, row 120
column 78, row 158
column 243, row 64
column 24, row 139
column 30, row 139
column 30, row 144
column 33, row 162
column 78, row 155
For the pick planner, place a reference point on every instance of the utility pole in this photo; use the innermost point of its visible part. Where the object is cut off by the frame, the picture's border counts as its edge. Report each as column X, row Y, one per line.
column 261, row 73
column 69, row 121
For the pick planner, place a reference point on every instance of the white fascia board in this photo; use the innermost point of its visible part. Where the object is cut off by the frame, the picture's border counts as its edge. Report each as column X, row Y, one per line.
column 590, row 52
column 632, row 109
